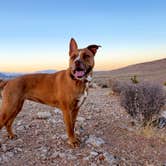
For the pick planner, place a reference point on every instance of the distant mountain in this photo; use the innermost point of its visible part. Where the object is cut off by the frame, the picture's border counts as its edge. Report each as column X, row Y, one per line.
column 8, row 75
column 46, row 71
column 4, row 75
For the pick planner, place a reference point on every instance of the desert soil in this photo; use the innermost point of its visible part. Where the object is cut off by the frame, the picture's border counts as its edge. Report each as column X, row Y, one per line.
column 106, row 132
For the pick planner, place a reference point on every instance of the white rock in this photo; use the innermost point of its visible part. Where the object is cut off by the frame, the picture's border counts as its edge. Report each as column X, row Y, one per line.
column 4, row 148
column 95, row 141
column 57, row 111
column 61, row 155
column 109, row 158
column 19, row 123
column 9, row 154
column 81, row 119
column 55, row 154
column 63, row 137
column 93, row 153
column 43, row 115
column 4, row 158
column 163, row 114
column 71, row 157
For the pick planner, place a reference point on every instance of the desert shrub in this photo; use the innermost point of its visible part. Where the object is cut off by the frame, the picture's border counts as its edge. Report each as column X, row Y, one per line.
column 143, row 101
column 104, row 86
column 117, row 86
column 134, row 79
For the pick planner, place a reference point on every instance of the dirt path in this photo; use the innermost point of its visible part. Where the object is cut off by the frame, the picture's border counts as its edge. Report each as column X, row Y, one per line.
column 103, row 126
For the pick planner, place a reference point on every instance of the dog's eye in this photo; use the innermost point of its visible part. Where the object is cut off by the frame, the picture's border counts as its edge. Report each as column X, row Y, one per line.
column 74, row 57
column 86, row 56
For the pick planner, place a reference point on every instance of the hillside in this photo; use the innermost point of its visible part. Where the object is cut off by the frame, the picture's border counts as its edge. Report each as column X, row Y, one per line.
column 149, row 71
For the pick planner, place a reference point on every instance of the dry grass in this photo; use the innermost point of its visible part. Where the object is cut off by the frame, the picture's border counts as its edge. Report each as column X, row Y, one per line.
column 150, row 131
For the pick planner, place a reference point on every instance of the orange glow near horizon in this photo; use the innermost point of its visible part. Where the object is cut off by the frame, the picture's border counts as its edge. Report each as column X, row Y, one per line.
column 104, row 60
column 102, row 65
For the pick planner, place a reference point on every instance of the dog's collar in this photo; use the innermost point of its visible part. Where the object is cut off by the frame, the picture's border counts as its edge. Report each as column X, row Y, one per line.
column 88, row 78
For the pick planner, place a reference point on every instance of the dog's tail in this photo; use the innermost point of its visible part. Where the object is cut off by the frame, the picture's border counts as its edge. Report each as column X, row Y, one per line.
column 2, row 83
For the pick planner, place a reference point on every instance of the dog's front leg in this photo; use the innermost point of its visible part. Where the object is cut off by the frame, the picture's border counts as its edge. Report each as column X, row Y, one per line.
column 73, row 141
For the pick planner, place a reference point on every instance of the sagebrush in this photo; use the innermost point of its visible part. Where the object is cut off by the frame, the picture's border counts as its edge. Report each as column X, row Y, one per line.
column 143, row 101
column 117, row 86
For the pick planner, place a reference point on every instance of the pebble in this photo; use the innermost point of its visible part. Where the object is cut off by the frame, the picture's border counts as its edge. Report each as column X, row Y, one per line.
column 93, row 153
column 80, row 119
column 43, row 115
column 163, row 114
column 4, row 147
column 63, row 137
column 57, row 111
column 109, row 158
column 95, row 141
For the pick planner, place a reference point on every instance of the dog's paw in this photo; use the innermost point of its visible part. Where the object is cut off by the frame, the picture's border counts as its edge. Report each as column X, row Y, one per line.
column 74, row 142
column 12, row 136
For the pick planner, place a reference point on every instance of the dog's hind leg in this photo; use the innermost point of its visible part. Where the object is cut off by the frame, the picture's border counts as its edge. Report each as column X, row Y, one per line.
column 9, row 123
column 11, row 106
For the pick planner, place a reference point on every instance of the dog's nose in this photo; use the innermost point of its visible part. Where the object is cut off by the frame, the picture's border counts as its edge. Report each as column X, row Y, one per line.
column 77, row 63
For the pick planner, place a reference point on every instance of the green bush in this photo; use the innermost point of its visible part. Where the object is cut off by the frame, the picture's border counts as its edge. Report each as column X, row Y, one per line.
column 134, row 79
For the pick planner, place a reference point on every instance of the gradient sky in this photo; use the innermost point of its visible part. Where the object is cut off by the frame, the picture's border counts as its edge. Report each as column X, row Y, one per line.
column 35, row 34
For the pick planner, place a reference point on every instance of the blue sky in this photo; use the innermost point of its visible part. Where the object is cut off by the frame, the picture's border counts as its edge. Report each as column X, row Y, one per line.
column 34, row 34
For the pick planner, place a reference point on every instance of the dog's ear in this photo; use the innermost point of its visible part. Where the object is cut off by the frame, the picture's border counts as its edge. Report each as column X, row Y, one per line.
column 93, row 48
column 73, row 46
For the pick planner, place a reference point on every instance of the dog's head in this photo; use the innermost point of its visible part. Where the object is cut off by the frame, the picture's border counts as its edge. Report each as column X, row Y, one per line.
column 81, row 60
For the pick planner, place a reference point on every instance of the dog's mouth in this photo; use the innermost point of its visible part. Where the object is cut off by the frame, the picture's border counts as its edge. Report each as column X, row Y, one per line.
column 79, row 73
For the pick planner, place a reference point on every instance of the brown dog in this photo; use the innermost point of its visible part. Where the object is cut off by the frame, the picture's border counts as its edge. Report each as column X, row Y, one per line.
column 66, row 90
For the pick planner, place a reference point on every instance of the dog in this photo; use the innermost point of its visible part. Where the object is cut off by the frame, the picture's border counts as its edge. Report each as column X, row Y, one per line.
column 65, row 90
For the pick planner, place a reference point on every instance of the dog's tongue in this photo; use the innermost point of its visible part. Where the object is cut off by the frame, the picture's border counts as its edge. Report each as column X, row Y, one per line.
column 79, row 73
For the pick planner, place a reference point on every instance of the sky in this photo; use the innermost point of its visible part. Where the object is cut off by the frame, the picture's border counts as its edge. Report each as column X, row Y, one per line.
column 35, row 34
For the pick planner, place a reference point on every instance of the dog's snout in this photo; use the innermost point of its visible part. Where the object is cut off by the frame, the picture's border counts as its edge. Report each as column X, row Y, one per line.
column 77, row 63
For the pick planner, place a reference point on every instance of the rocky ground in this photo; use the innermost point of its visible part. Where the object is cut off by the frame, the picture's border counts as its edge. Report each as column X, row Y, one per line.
column 106, row 132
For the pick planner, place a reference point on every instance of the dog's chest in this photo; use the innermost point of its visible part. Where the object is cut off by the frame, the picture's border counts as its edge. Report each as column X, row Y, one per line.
column 83, row 96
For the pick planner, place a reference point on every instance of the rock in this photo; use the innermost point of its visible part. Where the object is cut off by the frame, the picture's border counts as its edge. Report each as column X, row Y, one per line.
column 57, row 111
column 81, row 119
column 20, row 128
column 93, row 85
column 109, row 158
column 19, row 123
column 9, row 154
column 55, row 121
column 63, row 137
column 62, row 155
column 95, row 141
column 86, row 158
column 4, row 158
column 43, row 152
column 43, row 115
column 89, row 117
column 4, row 148
column 163, row 114
column 71, row 157
column 17, row 150
column 162, row 122
column 55, row 154
column 93, row 153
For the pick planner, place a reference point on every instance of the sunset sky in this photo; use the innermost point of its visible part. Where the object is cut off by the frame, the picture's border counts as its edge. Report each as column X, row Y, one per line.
column 35, row 34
